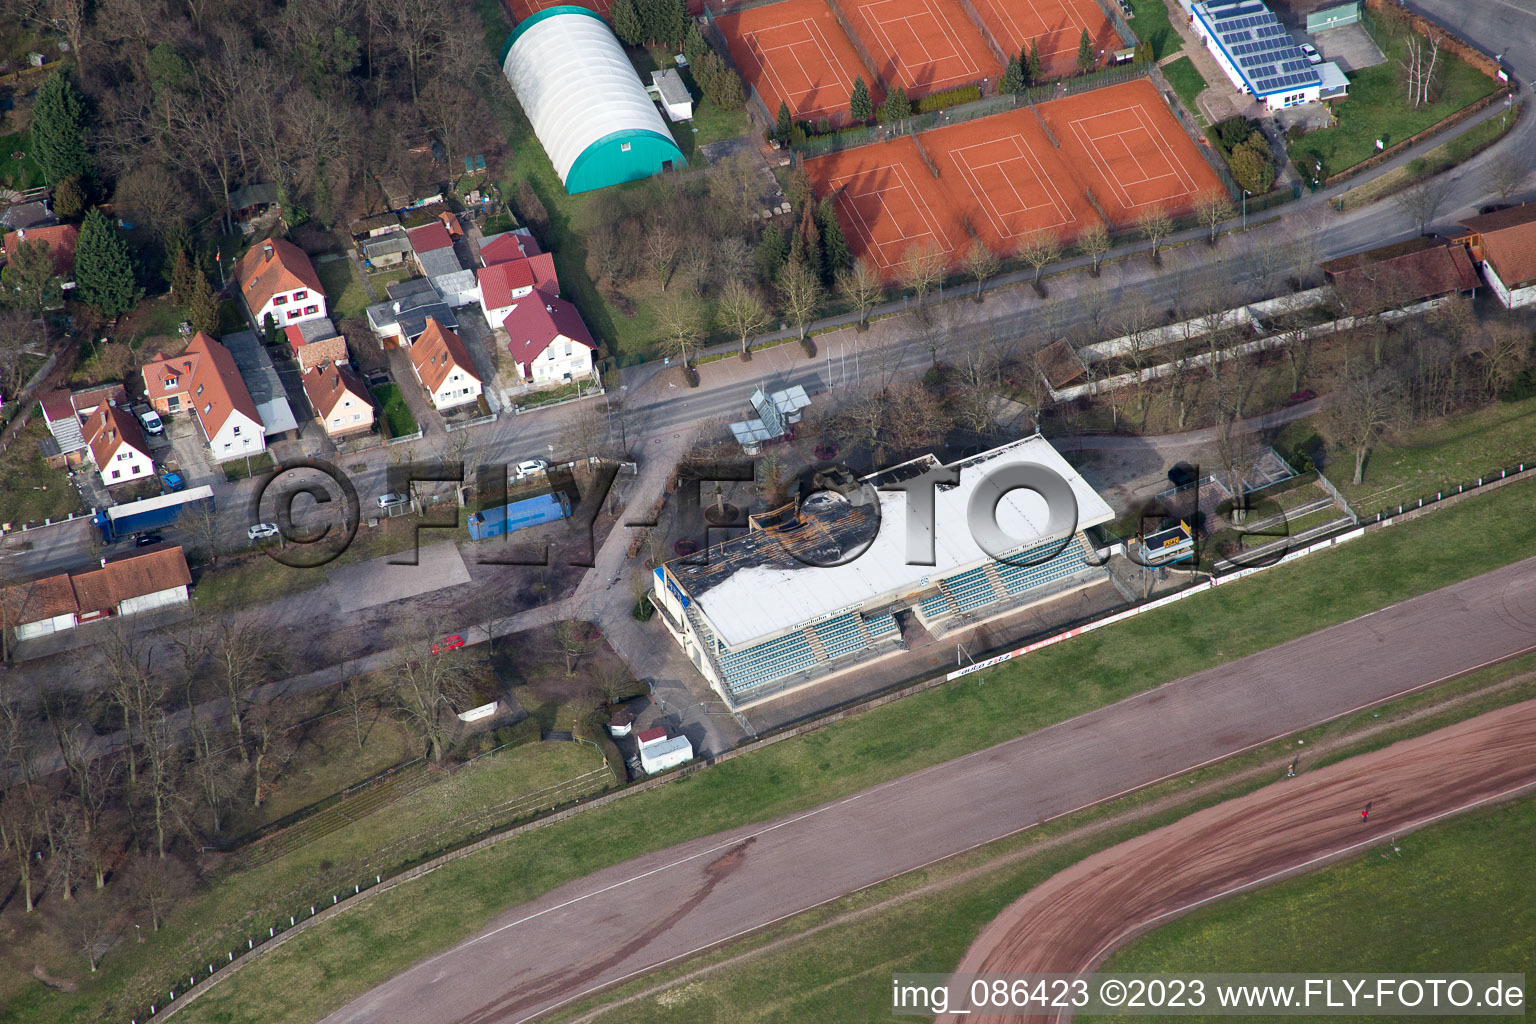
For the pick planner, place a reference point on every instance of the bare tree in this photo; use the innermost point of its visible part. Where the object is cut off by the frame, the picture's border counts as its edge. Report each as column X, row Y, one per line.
column 1040, row 248
column 242, row 653
column 860, row 285
column 800, row 291
column 682, row 324
column 1506, row 174
column 155, row 885
column 428, row 689
column 662, row 246
column 981, row 263
column 573, row 638
column 21, row 833
column 1422, row 202
column 1155, row 225
column 357, row 701
column 922, row 269
column 742, row 311
column 1213, row 208
column 1421, row 67
column 915, row 417
column 1502, row 351
column 1365, row 404
column 268, row 719
column 1093, row 242
column 88, row 925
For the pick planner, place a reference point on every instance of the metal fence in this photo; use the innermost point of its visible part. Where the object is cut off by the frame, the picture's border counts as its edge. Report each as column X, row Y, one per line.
column 1127, row 37
column 1217, row 161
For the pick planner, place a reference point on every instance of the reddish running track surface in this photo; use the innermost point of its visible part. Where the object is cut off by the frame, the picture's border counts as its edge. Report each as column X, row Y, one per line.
column 1126, row 145
column 796, row 53
column 925, row 46
column 1056, row 26
column 1072, row 921
column 635, row 916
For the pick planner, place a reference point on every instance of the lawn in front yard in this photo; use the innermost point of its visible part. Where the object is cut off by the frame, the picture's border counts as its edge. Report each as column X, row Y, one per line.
column 23, row 172
column 1151, row 25
column 1377, row 108
column 1187, row 82
column 30, row 491
column 336, row 961
column 396, row 414
column 345, row 296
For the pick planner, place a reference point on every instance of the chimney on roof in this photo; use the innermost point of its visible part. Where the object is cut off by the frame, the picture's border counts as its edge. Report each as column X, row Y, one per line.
column 266, row 250
column 548, row 308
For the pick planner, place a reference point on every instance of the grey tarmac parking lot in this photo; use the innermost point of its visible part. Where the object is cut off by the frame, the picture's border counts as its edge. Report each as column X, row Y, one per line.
column 638, row 915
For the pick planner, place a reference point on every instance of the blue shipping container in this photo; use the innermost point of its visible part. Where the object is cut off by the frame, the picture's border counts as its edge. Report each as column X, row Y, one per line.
column 494, row 522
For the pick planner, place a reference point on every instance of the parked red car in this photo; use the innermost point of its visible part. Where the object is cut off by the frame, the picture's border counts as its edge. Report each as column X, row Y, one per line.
column 448, row 643
column 1297, row 397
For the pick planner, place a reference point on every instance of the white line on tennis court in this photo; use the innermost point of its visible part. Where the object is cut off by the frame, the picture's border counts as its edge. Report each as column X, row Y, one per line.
column 985, row 196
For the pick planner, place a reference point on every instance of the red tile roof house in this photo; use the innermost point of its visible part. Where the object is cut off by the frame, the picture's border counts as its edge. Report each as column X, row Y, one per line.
column 1504, row 243
column 444, row 368
column 204, row 379
column 339, row 399
column 125, row 585
column 503, row 285
column 276, row 277
column 65, row 411
column 117, row 446
column 549, row 341
column 61, row 240
column 314, row 343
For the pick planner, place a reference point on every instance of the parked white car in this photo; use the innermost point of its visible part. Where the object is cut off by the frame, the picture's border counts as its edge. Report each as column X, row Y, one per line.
column 263, row 531
column 152, row 422
column 1310, row 52
column 387, row 500
column 528, row 467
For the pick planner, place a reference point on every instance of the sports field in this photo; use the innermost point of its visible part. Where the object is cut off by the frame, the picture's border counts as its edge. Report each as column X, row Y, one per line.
column 1003, row 176
column 1055, row 26
column 925, row 46
column 796, row 53
column 1126, row 145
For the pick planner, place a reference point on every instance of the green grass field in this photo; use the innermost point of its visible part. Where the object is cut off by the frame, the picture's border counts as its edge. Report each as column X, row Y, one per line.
column 345, row 296
column 23, row 172
column 1151, row 25
column 1439, row 455
column 333, row 963
column 396, row 414
column 1377, row 108
column 1458, row 897
column 1442, row 158
column 1187, row 82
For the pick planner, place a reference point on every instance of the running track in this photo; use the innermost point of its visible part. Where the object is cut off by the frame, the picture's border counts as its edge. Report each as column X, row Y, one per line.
column 637, row 915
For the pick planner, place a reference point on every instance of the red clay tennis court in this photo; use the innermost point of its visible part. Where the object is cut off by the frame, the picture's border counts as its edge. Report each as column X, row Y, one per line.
column 796, row 53
column 1125, row 143
column 1007, row 179
column 1056, row 26
column 889, row 203
column 925, row 46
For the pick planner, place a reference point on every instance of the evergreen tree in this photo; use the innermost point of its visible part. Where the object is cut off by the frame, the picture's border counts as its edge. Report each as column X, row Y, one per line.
column 1086, row 58
column 1013, row 76
column 30, row 281
column 627, row 24
column 70, row 198
column 859, row 104
column 177, row 239
column 271, row 334
column 201, row 304
column 104, row 267
column 182, row 274
column 671, row 21
column 897, row 107
column 808, row 234
column 58, row 129
column 694, row 45
column 1034, row 68
column 836, row 257
column 772, row 253
column 783, row 123
column 798, row 191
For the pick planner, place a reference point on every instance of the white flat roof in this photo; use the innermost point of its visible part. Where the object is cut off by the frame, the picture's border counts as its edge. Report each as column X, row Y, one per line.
column 757, row 601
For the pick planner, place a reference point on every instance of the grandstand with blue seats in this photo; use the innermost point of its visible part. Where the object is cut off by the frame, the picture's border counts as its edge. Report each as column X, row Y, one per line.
column 820, row 586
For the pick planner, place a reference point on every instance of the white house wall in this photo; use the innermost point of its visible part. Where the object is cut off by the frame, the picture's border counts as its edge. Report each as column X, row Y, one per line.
column 229, row 445
column 44, row 627
column 149, row 602
column 137, row 466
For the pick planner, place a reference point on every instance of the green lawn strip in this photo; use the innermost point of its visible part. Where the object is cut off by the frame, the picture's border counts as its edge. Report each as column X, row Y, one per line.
column 1457, row 896
column 384, row 935
column 345, row 296
column 239, row 905
column 928, row 932
column 19, row 173
column 30, row 491
column 1438, row 160
column 1186, row 81
column 1151, row 25
column 250, row 579
column 1438, row 455
column 397, row 415
column 1377, row 108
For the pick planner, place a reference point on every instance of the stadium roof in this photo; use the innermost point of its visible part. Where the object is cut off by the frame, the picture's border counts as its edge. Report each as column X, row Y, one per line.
column 755, row 586
column 1259, row 47
column 586, row 103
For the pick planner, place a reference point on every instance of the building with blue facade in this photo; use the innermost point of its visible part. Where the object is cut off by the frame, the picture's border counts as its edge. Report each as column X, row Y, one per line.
column 820, row 586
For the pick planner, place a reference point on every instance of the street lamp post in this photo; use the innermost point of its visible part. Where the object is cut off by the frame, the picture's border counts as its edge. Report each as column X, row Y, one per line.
column 1245, row 209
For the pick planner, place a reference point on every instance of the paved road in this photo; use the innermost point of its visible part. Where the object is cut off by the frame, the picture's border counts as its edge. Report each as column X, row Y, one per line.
column 1073, row 920
column 645, row 912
